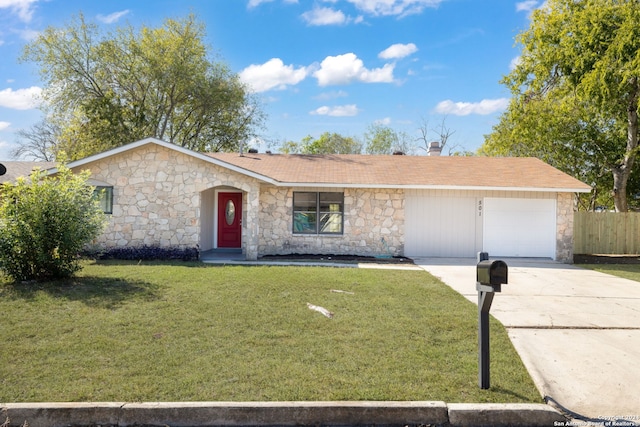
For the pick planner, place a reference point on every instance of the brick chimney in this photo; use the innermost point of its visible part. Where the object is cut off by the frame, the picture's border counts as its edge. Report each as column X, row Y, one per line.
column 434, row 149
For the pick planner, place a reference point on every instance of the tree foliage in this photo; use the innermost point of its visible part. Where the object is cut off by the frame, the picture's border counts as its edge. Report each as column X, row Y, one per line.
column 45, row 222
column 576, row 92
column 381, row 139
column 106, row 89
column 327, row 143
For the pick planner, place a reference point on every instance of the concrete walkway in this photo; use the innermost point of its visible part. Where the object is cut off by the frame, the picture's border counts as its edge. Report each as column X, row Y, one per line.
column 576, row 330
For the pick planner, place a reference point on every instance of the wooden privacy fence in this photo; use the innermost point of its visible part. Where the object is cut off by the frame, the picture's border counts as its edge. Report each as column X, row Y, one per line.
column 606, row 233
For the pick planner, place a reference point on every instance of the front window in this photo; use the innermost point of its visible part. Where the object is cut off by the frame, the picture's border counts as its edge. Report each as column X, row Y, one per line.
column 105, row 198
column 317, row 213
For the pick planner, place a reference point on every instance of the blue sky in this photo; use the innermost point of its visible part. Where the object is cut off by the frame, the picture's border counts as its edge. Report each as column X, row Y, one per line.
column 317, row 65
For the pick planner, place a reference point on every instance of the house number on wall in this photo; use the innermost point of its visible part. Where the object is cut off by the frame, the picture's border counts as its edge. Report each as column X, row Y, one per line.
column 479, row 207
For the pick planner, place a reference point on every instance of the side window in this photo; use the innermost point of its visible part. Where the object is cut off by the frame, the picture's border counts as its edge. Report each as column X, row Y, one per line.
column 105, row 198
column 331, row 211
column 318, row 213
column 305, row 212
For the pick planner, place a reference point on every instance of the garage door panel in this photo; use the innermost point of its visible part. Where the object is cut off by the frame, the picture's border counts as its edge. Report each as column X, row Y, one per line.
column 519, row 227
column 440, row 226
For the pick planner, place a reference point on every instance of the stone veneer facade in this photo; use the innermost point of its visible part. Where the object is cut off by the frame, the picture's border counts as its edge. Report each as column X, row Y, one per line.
column 157, row 194
column 373, row 224
column 565, row 206
column 158, row 201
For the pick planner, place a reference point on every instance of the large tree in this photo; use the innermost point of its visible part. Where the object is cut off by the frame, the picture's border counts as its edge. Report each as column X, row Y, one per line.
column 575, row 91
column 105, row 89
column 39, row 142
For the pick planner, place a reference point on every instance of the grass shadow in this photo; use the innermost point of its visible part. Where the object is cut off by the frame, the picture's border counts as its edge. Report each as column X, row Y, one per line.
column 168, row 263
column 501, row 391
column 99, row 292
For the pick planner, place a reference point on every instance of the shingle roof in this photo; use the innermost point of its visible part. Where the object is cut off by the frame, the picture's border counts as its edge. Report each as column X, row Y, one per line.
column 406, row 171
column 17, row 169
column 371, row 171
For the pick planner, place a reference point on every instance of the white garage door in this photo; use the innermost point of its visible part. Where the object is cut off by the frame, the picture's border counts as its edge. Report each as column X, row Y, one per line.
column 439, row 226
column 519, row 227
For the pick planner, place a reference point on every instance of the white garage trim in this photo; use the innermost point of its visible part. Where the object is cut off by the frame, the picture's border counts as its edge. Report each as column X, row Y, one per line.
column 519, row 227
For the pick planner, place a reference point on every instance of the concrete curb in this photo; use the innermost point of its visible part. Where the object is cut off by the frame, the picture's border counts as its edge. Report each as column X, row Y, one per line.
column 205, row 414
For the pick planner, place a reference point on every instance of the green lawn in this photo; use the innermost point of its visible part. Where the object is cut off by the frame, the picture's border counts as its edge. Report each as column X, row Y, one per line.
column 188, row 332
column 627, row 271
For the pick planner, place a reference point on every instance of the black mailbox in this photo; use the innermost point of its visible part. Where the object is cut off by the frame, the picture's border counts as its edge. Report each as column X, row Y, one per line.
column 490, row 276
column 492, row 273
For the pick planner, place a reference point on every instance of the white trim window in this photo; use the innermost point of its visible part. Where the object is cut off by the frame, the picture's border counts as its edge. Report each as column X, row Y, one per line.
column 318, row 213
column 104, row 194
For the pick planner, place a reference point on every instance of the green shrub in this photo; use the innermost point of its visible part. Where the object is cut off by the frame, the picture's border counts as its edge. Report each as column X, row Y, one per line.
column 44, row 223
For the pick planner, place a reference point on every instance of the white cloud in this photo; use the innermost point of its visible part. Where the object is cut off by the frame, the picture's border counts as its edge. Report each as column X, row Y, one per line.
column 384, row 122
column 113, row 17
column 23, row 8
column 21, row 99
column 273, row 74
column 4, row 125
column 256, row 3
column 526, row 6
column 344, row 69
column 28, row 34
column 331, row 95
column 324, row 16
column 337, row 111
column 484, row 107
column 515, row 62
column 398, row 50
column 394, row 7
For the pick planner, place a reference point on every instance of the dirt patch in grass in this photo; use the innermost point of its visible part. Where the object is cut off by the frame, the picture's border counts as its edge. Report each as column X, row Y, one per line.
column 337, row 258
column 606, row 259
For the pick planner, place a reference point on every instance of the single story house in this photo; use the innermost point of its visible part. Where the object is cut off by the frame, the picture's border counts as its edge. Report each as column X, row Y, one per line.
column 158, row 193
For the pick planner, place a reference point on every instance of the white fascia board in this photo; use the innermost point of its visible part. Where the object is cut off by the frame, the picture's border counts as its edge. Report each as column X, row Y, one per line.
column 430, row 187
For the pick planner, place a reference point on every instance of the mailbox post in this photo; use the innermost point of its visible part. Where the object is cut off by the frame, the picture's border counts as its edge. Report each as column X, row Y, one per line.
column 490, row 276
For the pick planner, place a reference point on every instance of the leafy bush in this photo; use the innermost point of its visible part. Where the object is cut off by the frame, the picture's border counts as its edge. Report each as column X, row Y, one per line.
column 147, row 253
column 44, row 223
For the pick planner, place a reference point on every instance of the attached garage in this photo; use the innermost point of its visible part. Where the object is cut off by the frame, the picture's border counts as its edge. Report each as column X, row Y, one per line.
column 440, row 225
column 519, row 227
column 462, row 223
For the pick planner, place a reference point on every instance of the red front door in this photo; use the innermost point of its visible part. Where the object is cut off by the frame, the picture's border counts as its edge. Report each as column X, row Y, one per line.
column 229, row 220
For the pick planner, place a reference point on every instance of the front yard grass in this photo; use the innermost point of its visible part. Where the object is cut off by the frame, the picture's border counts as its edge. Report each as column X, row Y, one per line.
column 626, row 271
column 189, row 332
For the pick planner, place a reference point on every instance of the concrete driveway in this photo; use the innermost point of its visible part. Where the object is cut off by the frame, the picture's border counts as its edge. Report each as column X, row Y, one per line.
column 576, row 330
